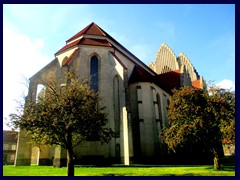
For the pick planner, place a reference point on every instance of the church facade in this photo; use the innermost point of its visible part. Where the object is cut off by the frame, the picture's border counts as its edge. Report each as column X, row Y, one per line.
column 136, row 96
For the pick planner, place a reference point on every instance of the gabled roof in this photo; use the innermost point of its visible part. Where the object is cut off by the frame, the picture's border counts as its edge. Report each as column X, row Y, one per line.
column 91, row 29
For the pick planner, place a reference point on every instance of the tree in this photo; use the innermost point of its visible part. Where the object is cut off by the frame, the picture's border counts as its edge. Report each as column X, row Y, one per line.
column 197, row 116
column 65, row 116
column 218, row 97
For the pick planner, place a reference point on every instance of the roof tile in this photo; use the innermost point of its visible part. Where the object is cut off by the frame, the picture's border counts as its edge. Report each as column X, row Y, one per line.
column 196, row 84
column 91, row 29
column 168, row 81
column 95, row 42
column 68, row 46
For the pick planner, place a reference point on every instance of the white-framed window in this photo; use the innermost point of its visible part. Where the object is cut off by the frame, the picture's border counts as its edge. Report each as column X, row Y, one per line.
column 5, row 146
column 13, row 147
column 12, row 157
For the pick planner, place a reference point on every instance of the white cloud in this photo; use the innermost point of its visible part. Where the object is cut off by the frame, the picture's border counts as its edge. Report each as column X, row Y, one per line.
column 226, row 84
column 22, row 57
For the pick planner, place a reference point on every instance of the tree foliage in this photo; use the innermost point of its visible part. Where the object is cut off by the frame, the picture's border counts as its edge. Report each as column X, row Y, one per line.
column 202, row 116
column 65, row 116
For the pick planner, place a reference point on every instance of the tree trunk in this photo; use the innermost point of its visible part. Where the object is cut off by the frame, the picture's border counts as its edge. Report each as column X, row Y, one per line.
column 216, row 160
column 70, row 162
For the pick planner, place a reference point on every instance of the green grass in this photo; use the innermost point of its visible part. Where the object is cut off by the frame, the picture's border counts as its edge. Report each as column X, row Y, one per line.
column 133, row 170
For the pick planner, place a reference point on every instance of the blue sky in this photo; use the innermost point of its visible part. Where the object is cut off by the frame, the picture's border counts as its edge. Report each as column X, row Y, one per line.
column 32, row 34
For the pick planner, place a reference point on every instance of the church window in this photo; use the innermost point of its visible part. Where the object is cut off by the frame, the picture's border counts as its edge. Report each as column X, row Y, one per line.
column 116, row 105
column 159, row 109
column 94, row 73
column 40, row 92
column 5, row 146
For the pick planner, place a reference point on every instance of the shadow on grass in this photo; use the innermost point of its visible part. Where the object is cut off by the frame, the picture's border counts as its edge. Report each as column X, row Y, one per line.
column 113, row 175
column 224, row 168
column 187, row 174
column 228, row 168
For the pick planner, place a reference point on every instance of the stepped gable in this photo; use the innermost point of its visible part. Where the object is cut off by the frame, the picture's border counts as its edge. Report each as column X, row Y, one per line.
column 184, row 61
column 165, row 60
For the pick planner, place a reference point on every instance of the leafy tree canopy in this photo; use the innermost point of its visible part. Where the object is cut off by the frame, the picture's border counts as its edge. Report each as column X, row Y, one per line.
column 65, row 116
column 202, row 116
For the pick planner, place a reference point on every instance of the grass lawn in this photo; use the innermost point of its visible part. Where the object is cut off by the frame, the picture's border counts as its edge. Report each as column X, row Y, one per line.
column 133, row 170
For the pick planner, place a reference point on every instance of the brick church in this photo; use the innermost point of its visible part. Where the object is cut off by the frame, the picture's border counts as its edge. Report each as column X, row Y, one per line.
column 136, row 96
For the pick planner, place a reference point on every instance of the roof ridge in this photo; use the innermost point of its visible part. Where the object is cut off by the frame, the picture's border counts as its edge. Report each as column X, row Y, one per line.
column 80, row 32
column 100, row 29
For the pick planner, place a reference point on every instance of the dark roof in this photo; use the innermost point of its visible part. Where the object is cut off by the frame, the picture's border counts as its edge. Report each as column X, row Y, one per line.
column 10, row 136
column 170, row 80
column 140, row 75
column 167, row 81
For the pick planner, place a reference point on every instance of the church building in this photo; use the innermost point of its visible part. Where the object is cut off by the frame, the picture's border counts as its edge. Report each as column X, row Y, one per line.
column 136, row 97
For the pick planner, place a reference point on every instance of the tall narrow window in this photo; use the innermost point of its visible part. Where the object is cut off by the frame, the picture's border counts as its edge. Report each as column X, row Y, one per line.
column 116, row 106
column 94, row 73
column 117, row 152
column 40, row 92
column 159, row 110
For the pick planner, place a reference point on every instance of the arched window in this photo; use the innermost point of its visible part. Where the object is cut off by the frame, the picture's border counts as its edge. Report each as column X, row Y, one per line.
column 35, row 155
column 94, row 73
column 40, row 92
